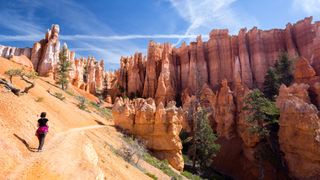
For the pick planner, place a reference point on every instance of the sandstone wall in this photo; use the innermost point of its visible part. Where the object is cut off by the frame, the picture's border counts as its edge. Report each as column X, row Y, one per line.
column 244, row 58
column 157, row 126
column 8, row 52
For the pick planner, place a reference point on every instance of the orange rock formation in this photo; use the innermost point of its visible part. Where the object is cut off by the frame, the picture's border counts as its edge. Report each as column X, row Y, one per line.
column 299, row 134
column 158, row 127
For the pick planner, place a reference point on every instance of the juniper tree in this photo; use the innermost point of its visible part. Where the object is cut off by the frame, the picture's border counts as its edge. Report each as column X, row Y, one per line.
column 25, row 75
column 64, row 67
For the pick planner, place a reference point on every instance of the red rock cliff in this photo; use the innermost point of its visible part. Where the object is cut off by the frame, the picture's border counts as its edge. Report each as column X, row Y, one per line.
column 223, row 70
column 243, row 58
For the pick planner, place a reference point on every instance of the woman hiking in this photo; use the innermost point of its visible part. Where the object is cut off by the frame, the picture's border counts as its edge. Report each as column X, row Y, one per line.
column 42, row 130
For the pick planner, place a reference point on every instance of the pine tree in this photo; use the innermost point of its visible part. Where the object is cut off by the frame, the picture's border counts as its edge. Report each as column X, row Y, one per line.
column 283, row 68
column 280, row 74
column 204, row 138
column 64, row 66
column 263, row 116
column 262, row 112
column 271, row 84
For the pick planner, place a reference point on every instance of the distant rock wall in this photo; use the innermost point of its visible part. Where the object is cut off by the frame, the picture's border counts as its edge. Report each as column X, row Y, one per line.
column 8, row 52
column 86, row 73
column 244, row 58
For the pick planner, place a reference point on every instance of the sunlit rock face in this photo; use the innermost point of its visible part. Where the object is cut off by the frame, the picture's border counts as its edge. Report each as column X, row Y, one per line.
column 242, row 58
column 158, row 126
column 50, row 52
column 299, row 133
column 8, row 52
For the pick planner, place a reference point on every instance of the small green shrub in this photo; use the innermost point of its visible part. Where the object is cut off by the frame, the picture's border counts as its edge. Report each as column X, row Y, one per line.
column 59, row 96
column 162, row 165
column 191, row 176
column 105, row 112
column 39, row 99
column 152, row 176
column 70, row 93
column 82, row 103
column 131, row 150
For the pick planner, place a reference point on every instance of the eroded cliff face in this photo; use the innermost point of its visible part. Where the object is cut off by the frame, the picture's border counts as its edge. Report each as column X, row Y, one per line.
column 244, row 58
column 47, row 57
column 157, row 126
column 299, row 133
column 8, row 52
column 221, row 73
column 86, row 73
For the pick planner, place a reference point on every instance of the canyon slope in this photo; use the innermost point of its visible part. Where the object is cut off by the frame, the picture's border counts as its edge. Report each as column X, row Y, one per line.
column 80, row 144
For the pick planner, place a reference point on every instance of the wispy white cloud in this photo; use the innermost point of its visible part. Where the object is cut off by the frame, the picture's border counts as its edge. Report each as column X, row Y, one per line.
column 31, row 37
column 310, row 7
column 77, row 18
column 78, row 37
column 93, row 35
column 12, row 20
column 205, row 15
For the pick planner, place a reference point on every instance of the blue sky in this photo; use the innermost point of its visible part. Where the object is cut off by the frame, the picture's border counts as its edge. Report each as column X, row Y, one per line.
column 108, row 29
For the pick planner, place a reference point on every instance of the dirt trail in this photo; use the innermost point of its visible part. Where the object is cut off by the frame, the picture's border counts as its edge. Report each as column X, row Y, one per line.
column 76, row 146
column 61, row 149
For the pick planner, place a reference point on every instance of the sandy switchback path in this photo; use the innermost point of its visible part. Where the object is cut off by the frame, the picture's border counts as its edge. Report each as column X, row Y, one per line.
column 64, row 153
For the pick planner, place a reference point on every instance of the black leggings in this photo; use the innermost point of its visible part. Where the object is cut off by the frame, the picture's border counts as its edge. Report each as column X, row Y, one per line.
column 41, row 138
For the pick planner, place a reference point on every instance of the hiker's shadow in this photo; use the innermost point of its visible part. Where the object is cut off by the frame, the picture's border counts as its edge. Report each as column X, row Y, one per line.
column 25, row 143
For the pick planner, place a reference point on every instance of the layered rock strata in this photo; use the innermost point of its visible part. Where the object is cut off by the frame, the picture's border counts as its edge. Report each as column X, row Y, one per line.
column 157, row 126
column 243, row 58
column 8, row 52
column 45, row 53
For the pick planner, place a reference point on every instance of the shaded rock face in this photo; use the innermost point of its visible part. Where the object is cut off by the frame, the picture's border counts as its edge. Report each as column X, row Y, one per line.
column 157, row 126
column 299, row 133
column 225, row 111
column 131, row 74
column 220, row 104
column 250, row 140
column 87, row 73
column 305, row 73
column 303, row 70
